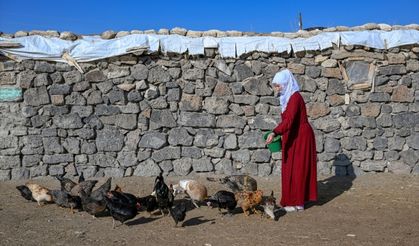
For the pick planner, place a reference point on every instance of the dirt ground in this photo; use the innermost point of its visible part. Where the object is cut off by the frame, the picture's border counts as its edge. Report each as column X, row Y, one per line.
column 368, row 210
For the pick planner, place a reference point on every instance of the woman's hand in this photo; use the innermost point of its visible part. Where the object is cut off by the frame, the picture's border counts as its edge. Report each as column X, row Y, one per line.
column 270, row 138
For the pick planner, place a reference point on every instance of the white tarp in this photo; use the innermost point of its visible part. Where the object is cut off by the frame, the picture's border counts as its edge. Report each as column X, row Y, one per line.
column 91, row 48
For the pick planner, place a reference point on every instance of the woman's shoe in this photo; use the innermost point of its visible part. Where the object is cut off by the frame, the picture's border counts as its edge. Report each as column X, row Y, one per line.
column 289, row 209
column 299, row 208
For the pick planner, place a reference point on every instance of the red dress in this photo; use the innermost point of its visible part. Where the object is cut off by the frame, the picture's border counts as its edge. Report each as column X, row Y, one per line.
column 299, row 157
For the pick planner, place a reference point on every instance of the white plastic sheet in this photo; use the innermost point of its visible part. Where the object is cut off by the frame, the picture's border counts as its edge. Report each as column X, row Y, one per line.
column 91, row 48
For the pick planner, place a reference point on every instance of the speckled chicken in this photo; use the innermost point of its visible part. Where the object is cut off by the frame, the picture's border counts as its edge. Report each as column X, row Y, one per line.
column 100, row 192
column 39, row 193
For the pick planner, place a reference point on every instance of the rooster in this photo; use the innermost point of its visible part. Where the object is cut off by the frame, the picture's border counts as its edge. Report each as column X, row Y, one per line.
column 164, row 195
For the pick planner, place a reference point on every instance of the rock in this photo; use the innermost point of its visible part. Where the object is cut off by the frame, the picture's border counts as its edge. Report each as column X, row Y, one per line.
column 316, row 110
column 215, row 105
column 68, row 36
column 410, row 157
column 114, row 172
column 190, row 103
column 331, row 73
column 103, row 159
column 380, row 143
column 261, row 155
column 114, row 71
column 103, row 109
column 327, row 124
column 335, row 87
column 396, row 58
column 147, row 168
column 108, row 34
column 57, row 89
column 4, row 175
column 331, row 145
column 139, row 72
column 193, row 74
column 407, row 119
column 43, row 67
column 370, row 109
column 95, row 75
column 72, row 77
column 7, row 162
column 69, row 121
column 257, row 86
column 205, row 138
column 182, row 167
column 109, row 139
column 329, row 63
column 262, row 122
column 354, row 143
column 222, row 89
column 245, row 99
column 153, row 140
column 179, row 136
column 370, row 165
column 225, row 121
column 296, row 68
column 392, row 70
column 242, row 72
column 24, row 79
column 398, row 167
column 94, row 98
column 251, row 140
column 193, row 119
column 72, row 145
column 192, row 152
column 307, row 84
column 36, row 96
column 402, row 94
column 162, row 118
column 58, row 158
column 202, row 165
column 158, row 75
column 128, row 158
column 379, row 97
column 52, row 145
column 166, row 153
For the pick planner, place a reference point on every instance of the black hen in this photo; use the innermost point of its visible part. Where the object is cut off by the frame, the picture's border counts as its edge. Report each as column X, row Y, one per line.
column 120, row 206
column 66, row 184
column 100, row 192
column 91, row 206
column 164, row 195
column 149, row 203
column 178, row 212
column 25, row 192
column 223, row 199
column 63, row 199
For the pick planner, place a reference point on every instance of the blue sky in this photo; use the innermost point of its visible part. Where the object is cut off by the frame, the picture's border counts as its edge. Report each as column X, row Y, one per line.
column 91, row 17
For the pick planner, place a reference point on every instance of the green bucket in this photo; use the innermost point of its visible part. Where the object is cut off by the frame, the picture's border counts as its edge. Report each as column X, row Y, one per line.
column 275, row 145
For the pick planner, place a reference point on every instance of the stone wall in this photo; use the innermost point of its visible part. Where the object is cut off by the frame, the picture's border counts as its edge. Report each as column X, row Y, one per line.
column 139, row 114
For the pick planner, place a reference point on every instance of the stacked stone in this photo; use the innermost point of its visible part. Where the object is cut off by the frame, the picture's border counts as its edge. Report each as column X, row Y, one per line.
column 139, row 115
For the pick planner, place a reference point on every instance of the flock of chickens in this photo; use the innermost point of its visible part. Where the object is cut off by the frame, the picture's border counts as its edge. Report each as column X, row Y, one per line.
column 124, row 206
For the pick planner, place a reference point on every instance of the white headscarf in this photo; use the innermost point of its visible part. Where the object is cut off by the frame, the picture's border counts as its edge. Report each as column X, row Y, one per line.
column 289, row 86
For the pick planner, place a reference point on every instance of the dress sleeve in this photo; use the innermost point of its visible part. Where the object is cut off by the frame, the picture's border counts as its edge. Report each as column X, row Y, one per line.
column 292, row 112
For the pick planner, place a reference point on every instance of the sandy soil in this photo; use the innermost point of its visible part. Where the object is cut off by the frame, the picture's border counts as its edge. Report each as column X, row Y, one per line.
column 369, row 210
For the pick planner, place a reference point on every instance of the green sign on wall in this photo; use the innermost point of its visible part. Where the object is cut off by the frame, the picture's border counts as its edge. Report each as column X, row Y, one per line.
column 10, row 94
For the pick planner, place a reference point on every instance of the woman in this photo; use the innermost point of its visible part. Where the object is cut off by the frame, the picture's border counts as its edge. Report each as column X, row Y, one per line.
column 298, row 171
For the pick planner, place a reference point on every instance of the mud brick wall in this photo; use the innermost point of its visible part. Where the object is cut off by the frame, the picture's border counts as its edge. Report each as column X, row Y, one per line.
column 139, row 114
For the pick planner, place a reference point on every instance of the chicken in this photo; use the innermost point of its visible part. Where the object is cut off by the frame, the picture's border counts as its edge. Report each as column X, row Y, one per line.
column 121, row 207
column 63, row 199
column 100, row 192
column 25, row 192
column 81, row 178
column 178, row 212
column 268, row 205
column 164, row 195
column 86, row 186
column 248, row 200
column 66, row 184
column 238, row 182
column 39, row 193
column 195, row 190
column 90, row 205
column 149, row 203
column 223, row 199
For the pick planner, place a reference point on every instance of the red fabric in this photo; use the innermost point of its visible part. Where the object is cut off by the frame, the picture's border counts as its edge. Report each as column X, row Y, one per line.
column 299, row 157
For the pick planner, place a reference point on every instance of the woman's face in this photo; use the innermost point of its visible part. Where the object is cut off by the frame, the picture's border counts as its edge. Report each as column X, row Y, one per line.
column 277, row 88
